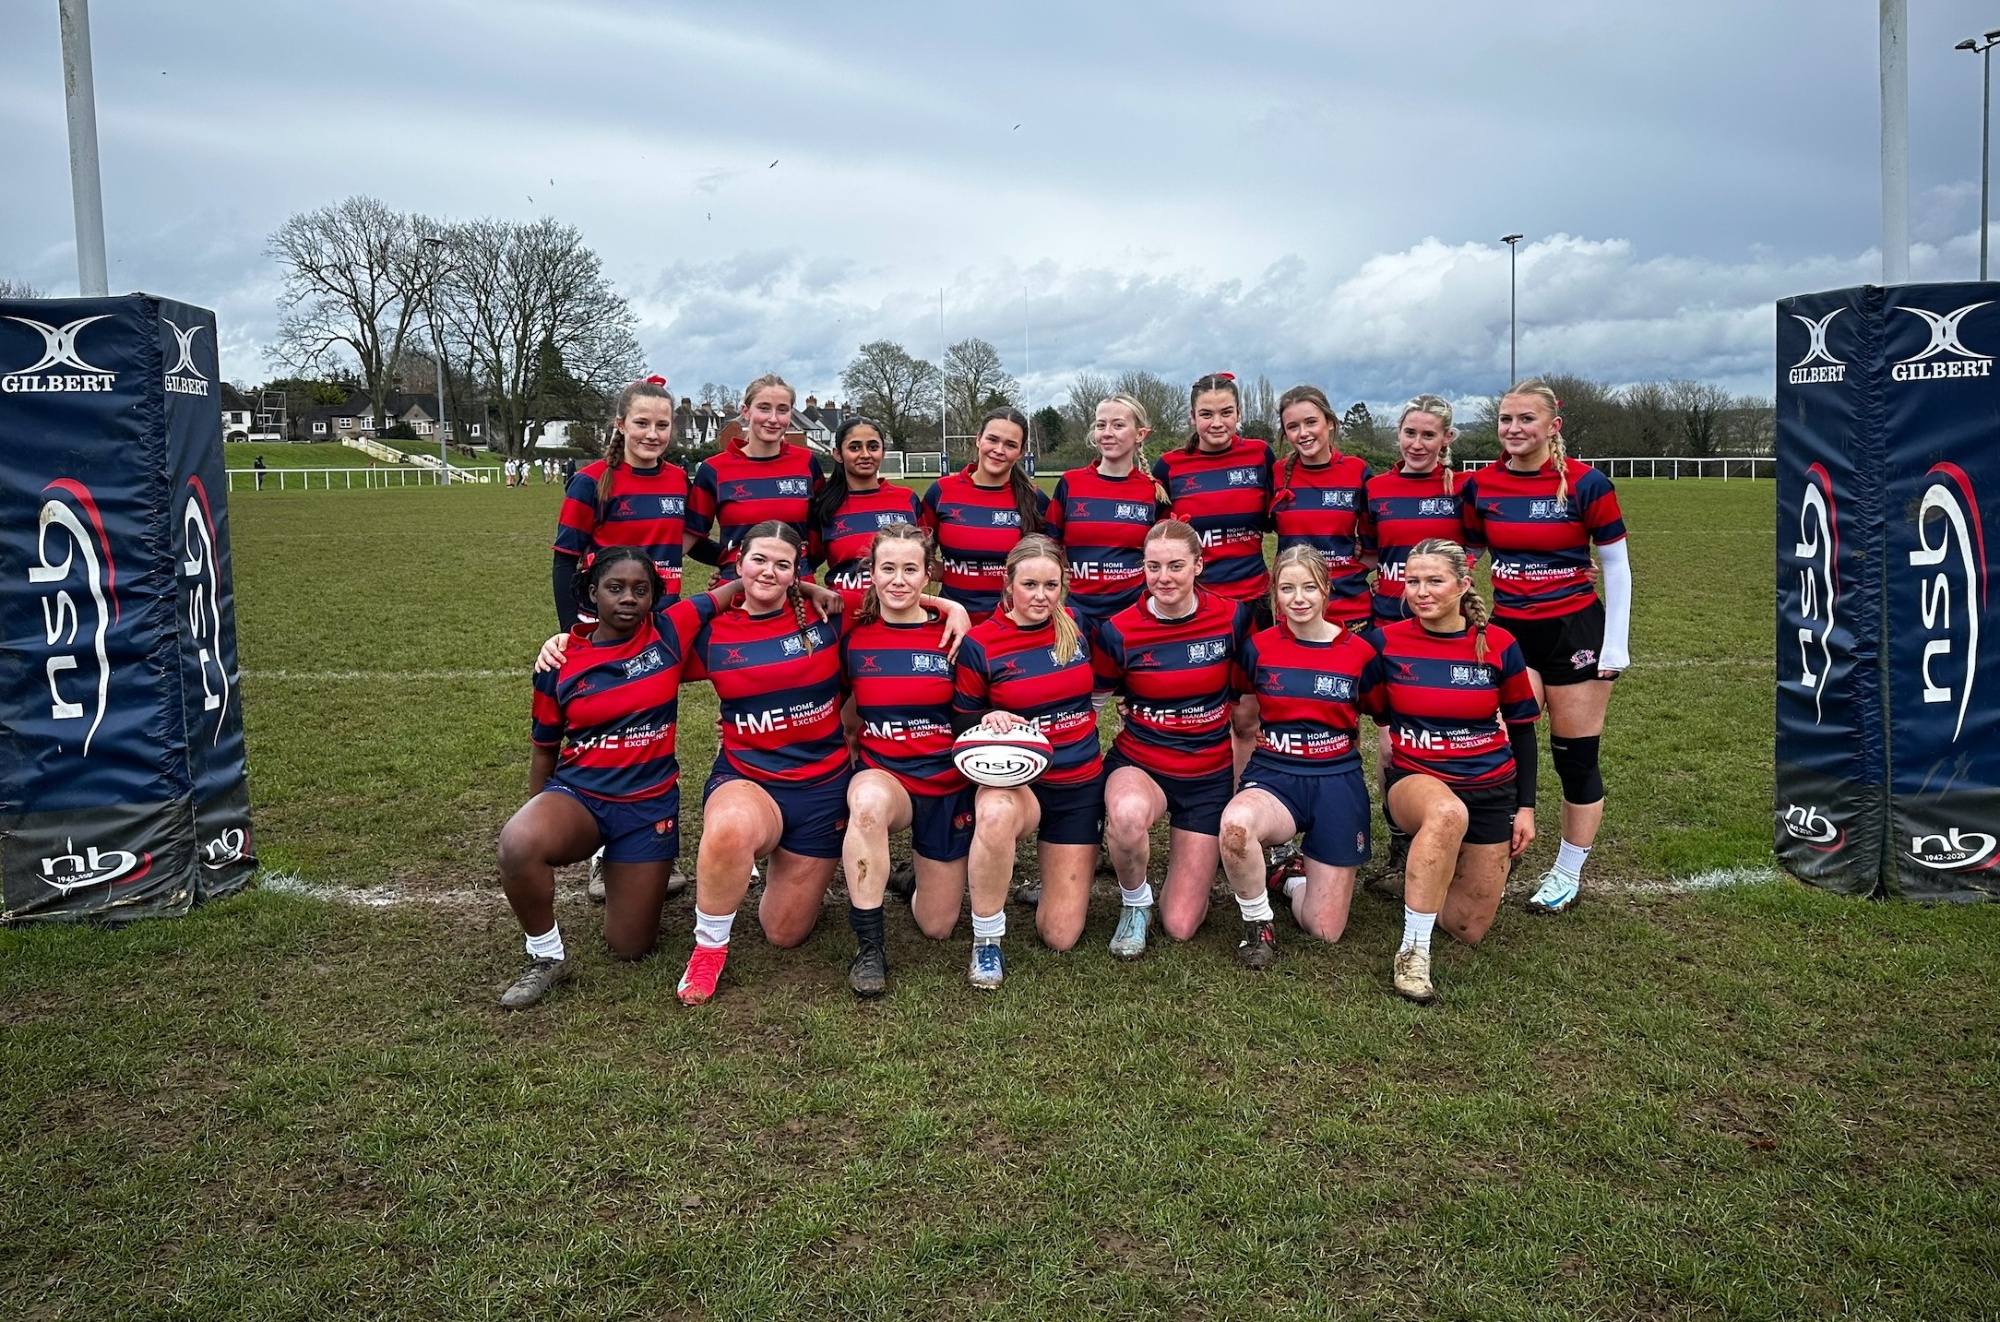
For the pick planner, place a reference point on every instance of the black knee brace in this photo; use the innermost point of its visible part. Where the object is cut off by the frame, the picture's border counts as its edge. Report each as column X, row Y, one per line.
column 1576, row 765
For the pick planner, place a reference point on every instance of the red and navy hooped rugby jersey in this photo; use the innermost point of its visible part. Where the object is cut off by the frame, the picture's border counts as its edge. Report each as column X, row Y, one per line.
column 1005, row 667
column 843, row 544
column 779, row 691
column 1102, row 522
column 975, row 527
column 1226, row 497
column 1178, row 681
column 733, row 493
column 1323, row 507
column 1541, row 554
column 612, row 707
column 1308, row 698
column 1444, row 706
column 1404, row 508
column 647, row 509
column 903, row 687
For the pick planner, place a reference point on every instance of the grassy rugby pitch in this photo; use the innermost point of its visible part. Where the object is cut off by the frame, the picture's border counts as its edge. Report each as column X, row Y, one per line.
column 1679, row 1101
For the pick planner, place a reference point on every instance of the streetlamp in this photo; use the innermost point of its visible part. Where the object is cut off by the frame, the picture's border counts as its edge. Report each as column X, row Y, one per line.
column 1985, row 53
column 1512, row 241
column 436, row 246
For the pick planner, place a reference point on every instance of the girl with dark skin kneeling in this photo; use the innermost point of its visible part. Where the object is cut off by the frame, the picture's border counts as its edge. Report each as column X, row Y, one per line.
column 1455, row 693
column 1305, row 674
column 603, row 772
column 902, row 685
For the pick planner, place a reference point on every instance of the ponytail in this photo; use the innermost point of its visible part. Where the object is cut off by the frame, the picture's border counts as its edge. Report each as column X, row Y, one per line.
column 651, row 387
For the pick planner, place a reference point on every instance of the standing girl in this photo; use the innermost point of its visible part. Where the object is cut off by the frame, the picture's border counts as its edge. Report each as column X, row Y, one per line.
column 1417, row 499
column 631, row 497
column 1447, row 683
column 1101, row 513
column 1305, row 673
column 1319, row 501
column 1030, row 665
column 1540, row 512
column 854, row 505
column 1220, row 484
column 980, row 513
column 759, row 476
column 903, row 686
column 1171, row 661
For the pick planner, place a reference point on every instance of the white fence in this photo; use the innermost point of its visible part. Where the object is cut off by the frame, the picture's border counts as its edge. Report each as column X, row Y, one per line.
column 347, row 479
column 1668, row 467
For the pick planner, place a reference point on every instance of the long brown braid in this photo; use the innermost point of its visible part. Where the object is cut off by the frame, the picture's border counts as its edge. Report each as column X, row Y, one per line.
column 1313, row 395
column 789, row 535
column 1471, row 605
column 1540, row 389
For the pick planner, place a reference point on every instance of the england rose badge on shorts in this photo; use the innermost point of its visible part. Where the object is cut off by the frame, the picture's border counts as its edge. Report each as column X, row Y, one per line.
column 661, row 828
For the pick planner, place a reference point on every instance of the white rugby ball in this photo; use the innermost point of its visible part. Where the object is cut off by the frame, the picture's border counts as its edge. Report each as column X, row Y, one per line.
column 1002, row 758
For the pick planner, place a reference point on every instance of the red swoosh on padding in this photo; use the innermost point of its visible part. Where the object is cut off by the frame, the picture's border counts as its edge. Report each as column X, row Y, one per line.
column 89, row 503
column 1832, row 518
column 1958, row 475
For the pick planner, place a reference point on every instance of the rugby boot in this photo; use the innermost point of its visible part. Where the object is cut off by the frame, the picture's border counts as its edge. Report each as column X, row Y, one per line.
column 902, row 882
column 594, row 888
column 697, row 985
column 1259, row 947
column 532, row 986
column 988, row 968
column 1129, row 941
column 1557, row 892
column 868, row 974
column 1413, row 976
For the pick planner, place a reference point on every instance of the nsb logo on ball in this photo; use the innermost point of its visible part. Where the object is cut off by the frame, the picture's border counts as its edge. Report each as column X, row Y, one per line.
column 1002, row 759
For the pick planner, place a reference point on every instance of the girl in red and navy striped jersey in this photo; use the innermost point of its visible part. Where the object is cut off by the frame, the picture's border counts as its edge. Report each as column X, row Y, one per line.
column 980, row 513
column 1220, row 484
column 758, row 476
column 634, row 496
column 1171, row 661
column 1305, row 777
column 1540, row 513
column 1101, row 512
column 778, row 789
column 603, row 773
column 1418, row 498
column 1318, row 501
column 854, row 505
column 1456, row 696
column 903, row 686
column 1030, row 665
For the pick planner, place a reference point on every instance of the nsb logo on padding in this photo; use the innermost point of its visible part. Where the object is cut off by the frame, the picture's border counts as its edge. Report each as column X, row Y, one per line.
column 1817, row 551
column 1952, row 597
column 78, row 576
column 59, row 349
column 1946, row 354
column 201, row 601
column 1804, row 372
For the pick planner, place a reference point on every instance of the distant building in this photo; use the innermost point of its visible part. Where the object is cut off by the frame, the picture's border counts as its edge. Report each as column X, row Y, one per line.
column 354, row 417
column 237, row 414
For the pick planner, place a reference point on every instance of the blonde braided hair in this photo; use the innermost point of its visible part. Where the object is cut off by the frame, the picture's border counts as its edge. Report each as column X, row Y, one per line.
column 1439, row 408
column 1539, row 389
column 1471, row 605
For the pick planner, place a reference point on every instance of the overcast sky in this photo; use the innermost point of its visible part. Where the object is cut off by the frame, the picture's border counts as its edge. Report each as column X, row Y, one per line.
column 1309, row 190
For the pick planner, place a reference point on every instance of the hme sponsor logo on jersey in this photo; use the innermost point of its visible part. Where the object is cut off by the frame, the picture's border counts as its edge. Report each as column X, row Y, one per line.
column 59, row 349
column 1817, row 552
column 1951, row 595
column 1946, row 356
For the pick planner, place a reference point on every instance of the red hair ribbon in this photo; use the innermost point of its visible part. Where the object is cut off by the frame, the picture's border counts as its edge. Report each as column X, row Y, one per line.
column 656, row 380
column 1223, row 376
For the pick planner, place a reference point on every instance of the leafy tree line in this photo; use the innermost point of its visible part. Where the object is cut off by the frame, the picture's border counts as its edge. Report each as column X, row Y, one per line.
column 517, row 316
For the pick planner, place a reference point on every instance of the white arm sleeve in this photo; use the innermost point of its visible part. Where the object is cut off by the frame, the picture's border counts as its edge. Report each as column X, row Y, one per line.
column 1613, row 655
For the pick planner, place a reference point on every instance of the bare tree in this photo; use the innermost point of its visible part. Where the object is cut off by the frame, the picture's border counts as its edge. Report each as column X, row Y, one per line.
column 19, row 289
column 720, row 397
column 1697, row 408
column 354, row 273
column 1649, row 422
column 975, row 383
column 1166, row 404
column 1750, row 426
column 529, row 308
column 1589, row 411
column 1260, row 403
column 886, row 383
column 1079, row 408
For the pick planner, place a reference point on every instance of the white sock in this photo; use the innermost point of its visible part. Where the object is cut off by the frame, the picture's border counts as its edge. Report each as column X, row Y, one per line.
column 990, row 928
column 1417, row 930
column 1570, row 859
column 548, row 945
column 1142, row 898
column 712, row 929
column 1294, row 883
column 1257, row 909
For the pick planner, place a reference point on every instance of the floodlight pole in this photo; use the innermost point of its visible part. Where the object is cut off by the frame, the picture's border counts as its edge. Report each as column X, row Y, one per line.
column 85, row 186
column 1895, row 142
column 1513, row 244
column 1985, row 53
column 436, row 247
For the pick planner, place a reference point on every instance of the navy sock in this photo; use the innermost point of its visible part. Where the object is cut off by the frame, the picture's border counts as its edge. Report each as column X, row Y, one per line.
column 867, row 925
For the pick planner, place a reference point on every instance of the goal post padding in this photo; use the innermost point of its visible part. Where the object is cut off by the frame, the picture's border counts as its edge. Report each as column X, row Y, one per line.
column 1888, row 648
column 122, row 790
